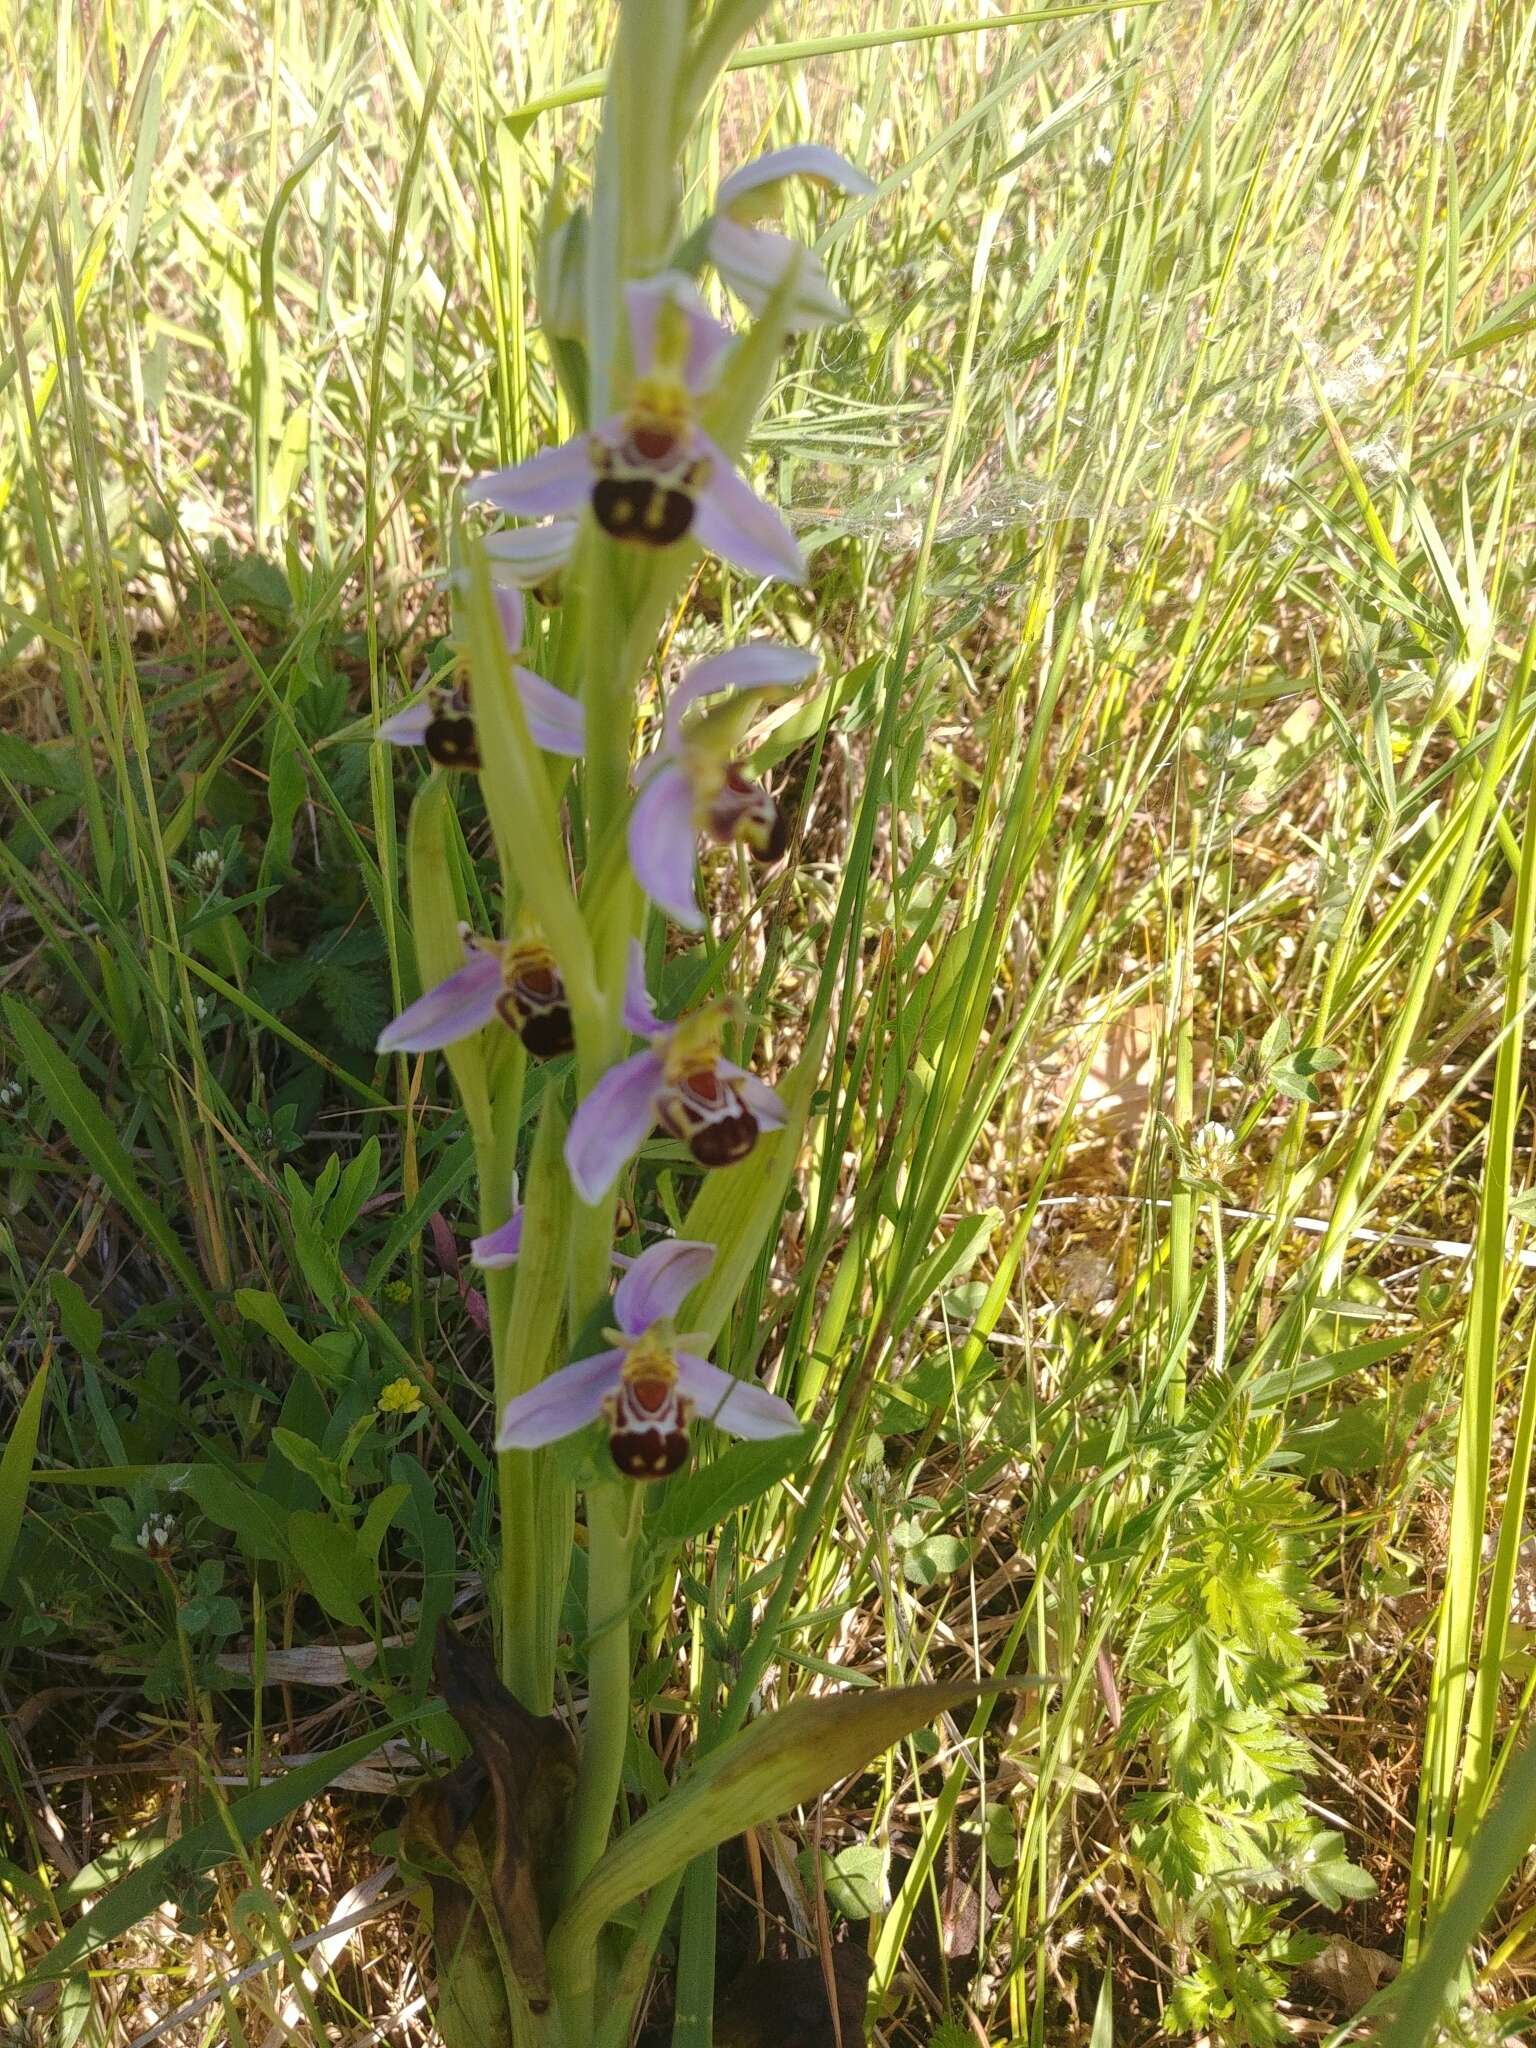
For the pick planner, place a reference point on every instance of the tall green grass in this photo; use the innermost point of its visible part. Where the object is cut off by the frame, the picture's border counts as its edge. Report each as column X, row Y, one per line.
column 1169, row 506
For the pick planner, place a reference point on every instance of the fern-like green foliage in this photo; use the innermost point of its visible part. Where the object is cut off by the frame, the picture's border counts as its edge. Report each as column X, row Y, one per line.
column 1219, row 1670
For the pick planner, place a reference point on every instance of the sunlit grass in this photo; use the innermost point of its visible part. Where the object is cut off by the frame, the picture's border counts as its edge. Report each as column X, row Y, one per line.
column 1169, row 517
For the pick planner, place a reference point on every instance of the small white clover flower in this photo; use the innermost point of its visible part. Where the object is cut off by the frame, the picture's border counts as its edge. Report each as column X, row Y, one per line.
column 1212, row 1152
column 158, row 1535
column 12, row 1094
column 208, row 867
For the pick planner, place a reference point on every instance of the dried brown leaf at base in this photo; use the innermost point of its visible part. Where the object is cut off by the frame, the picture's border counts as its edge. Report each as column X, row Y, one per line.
column 1351, row 1974
column 487, row 1835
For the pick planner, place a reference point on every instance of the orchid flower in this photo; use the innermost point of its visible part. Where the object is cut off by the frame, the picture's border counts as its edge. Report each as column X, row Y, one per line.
column 752, row 261
column 648, row 1387
column 681, row 1083
column 516, row 980
column 693, row 784
column 650, row 473
column 442, row 721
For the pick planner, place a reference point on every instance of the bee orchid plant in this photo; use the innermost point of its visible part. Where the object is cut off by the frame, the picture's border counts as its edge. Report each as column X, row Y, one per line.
column 604, row 1399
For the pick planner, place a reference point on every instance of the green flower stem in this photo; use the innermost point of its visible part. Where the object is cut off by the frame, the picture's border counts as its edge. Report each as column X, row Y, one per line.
column 495, row 1162
column 613, row 1518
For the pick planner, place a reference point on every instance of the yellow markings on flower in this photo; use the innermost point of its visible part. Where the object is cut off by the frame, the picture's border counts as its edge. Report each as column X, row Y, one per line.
column 660, row 401
column 649, row 1363
column 400, row 1397
column 696, row 1042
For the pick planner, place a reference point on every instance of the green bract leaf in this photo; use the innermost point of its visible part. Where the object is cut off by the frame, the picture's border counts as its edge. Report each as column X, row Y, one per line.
column 516, row 787
column 437, row 910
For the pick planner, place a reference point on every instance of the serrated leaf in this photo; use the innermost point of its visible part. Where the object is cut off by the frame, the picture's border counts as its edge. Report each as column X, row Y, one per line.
column 278, row 984
column 260, row 587
column 356, row 1002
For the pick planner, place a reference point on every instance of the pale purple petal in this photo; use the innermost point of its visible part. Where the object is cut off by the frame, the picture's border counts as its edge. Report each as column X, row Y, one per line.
column 659, row 1282
column 757, row 1096
column 451, row 1011
column 661, row 845
column 757, row 665
column 740, row 1406
column 557, row 721
column 527, row 554
column 706, row 338
column 407, row 728
column 566, row 1401
column 734, row 523
column 612, row 1123
column 754, row 263
column 558, row 480
column 799, row 160
column 499, row 1247
column 509, row 609
column 639, row 1011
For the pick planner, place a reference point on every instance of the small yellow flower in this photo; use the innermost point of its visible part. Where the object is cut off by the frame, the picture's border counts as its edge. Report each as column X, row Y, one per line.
column 399, row 1398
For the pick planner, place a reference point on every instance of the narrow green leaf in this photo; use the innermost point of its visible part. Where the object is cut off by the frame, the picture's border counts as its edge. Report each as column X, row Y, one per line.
column 702, row 1498
column 81, row 1324
column 738, row 1208
column 76, row 1107
column 516, row 787
column 438, row 907
column 16, row 1464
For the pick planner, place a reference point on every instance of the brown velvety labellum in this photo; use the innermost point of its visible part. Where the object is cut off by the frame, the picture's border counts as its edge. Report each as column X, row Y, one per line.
column 705, row 1111
column 450, row 740
column 648, row 1453
column 638, row 509
column 725, row 1142
column 533, row 1004
column 550, row 1034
